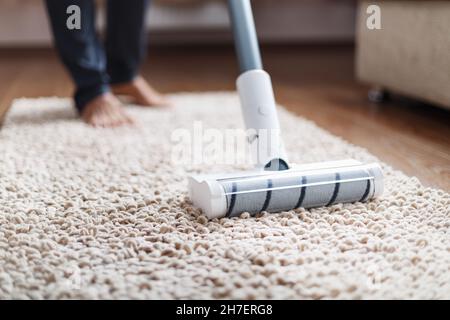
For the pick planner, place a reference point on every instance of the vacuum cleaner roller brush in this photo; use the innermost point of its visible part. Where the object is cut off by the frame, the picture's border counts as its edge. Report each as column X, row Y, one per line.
column 307, row 186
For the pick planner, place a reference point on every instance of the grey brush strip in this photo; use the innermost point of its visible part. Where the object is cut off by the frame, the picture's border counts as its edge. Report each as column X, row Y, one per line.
column 336, row 190
column 268, row 195
column 232, row 200
column 302, row 193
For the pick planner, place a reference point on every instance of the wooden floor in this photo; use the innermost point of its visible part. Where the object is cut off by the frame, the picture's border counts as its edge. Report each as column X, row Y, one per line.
column 313, row 81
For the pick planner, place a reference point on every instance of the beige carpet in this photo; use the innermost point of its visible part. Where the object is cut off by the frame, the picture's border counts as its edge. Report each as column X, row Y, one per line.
column 89, row 213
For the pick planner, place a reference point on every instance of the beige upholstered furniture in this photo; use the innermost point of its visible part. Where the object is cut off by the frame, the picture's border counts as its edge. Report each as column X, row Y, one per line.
column 410, row 55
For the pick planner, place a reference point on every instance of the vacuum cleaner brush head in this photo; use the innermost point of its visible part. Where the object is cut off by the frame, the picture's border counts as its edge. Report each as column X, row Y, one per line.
column 307, row 186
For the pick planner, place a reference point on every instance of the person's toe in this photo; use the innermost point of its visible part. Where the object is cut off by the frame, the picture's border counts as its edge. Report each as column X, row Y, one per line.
column 105, row 111
column 128, row 119
column 114, row 118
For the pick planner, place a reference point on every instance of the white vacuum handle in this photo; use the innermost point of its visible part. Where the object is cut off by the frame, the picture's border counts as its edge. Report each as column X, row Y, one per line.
column 255, row 91
column 260, row 117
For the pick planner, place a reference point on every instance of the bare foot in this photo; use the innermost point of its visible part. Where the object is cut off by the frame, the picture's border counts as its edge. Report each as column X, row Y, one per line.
column 140, row 92
column 105, row 111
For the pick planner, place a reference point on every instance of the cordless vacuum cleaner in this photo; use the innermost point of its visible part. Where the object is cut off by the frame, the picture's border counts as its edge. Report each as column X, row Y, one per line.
column 274, row 185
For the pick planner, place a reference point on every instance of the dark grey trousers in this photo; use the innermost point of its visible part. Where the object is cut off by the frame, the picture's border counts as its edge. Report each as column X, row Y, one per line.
column 93, row 65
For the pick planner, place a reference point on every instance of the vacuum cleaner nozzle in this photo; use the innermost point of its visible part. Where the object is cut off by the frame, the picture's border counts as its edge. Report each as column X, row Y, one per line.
column 274, row 186
column 307, row 186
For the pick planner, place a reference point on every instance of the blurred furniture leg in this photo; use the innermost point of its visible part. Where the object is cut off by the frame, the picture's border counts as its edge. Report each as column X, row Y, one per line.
column 377, row 94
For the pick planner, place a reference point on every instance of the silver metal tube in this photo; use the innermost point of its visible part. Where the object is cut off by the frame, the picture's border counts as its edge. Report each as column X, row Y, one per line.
column 244, row 32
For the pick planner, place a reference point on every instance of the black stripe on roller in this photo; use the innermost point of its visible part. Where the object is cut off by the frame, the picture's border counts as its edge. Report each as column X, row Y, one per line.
column 336, row 190
column 302, row 194
column 268, row 195
column 233, row 198
column 366, row 192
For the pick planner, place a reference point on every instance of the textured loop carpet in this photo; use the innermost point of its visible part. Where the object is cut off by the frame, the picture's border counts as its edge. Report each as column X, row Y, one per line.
column 96, row 213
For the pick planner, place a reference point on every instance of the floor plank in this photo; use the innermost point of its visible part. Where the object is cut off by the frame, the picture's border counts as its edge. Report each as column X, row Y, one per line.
column 315, row 82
